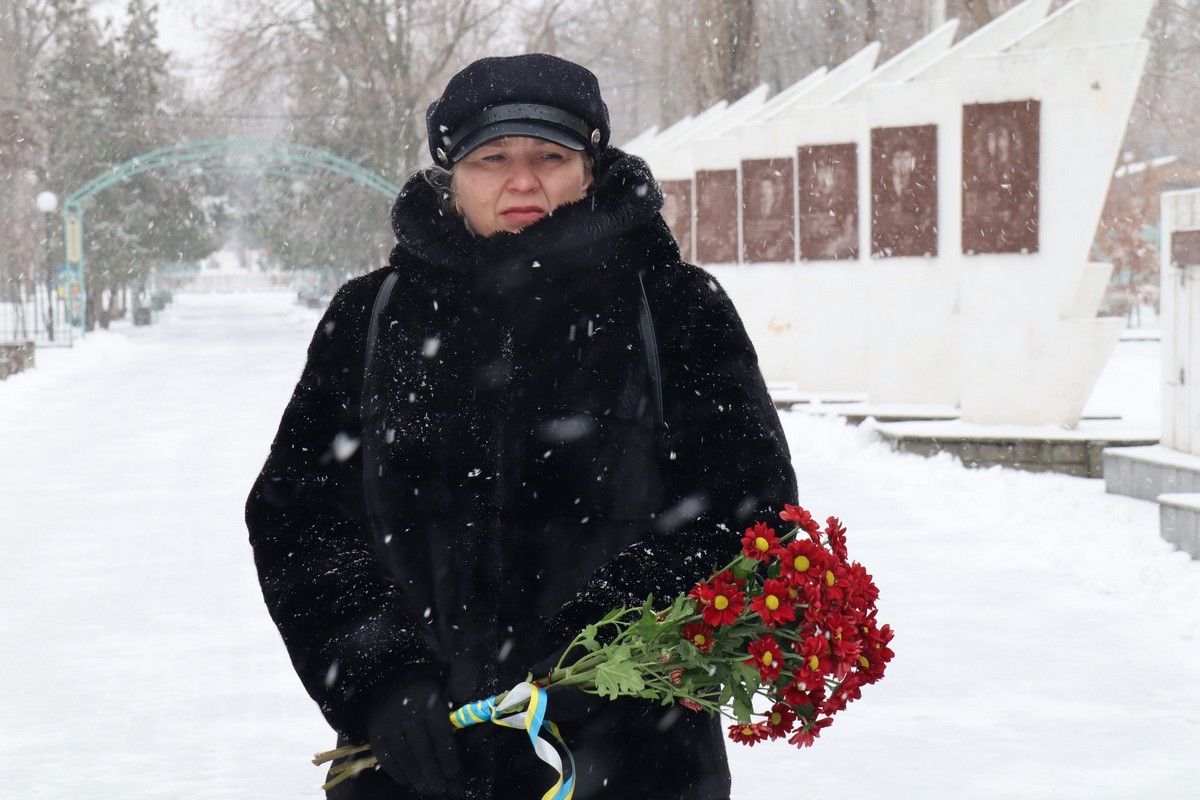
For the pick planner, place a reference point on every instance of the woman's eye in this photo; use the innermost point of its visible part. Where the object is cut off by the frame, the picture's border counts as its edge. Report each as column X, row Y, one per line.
column 552, row 156
column 494, row 158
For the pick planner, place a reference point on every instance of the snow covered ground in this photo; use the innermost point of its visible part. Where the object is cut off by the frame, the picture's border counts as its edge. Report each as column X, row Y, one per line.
column 1048, row 642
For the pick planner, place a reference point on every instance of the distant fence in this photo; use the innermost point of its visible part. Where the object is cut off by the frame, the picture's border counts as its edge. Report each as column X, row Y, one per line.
column 39, row 316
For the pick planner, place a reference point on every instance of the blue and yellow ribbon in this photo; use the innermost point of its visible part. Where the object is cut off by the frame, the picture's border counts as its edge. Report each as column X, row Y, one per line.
column 533, row 721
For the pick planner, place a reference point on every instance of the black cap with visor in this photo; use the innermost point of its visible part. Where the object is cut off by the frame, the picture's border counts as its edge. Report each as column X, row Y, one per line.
column 535, row 95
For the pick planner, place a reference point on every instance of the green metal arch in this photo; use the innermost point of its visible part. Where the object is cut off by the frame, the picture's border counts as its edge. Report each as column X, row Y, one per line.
column 222, row 149
column 210, row 156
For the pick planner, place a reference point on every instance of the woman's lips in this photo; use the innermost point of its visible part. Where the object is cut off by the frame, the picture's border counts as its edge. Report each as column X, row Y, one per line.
column 523, row 213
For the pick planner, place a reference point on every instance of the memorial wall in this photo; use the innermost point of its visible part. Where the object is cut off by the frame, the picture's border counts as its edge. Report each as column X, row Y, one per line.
column 918, row 231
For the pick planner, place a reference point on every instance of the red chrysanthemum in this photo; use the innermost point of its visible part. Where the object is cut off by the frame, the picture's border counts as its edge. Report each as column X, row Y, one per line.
column 794, row 694
column 835, row 534
column 766, row 656
column 833, row 584
column 760, row 542
column 861, row 592
column 690, row 704
column 806, row 700
column 808, row 730
column 875, row 651
column 700, row 635
column 774, row 605
column 802, row 561
column 701, row 593
column 815, row 661
column 780, row 720
column 843, row 642
column 815, row 608
column 748, row 734
column 847, row 692
column 723, row 603
column 800, row 518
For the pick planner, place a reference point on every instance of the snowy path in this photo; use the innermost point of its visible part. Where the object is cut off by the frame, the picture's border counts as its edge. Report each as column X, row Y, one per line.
column 1048, row 642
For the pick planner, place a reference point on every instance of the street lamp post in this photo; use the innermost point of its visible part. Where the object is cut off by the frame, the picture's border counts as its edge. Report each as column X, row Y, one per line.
column 47, row 203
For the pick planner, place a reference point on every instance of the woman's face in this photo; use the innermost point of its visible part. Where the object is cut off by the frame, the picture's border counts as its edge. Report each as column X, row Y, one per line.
column 509, row 183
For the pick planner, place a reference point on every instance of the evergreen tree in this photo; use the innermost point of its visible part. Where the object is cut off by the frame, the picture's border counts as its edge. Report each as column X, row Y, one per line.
column 105, row 91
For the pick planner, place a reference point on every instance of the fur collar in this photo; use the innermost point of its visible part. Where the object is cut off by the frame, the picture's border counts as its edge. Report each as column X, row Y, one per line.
column 577, row 236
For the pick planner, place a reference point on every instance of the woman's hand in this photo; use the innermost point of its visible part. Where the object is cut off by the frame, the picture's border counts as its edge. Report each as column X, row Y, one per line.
column 411, row 737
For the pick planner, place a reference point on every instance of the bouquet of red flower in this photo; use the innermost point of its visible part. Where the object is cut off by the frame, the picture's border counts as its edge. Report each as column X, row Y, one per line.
column 790, row 620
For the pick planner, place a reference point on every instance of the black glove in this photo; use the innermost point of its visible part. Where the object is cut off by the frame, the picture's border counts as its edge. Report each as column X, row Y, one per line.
column 411, row 737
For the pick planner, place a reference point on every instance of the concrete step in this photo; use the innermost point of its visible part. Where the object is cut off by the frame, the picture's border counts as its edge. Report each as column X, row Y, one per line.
column 1148, row 472
column 1179, row 521
column 1075, row 452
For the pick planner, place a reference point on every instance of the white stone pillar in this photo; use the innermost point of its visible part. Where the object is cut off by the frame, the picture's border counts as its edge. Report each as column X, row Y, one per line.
column 935, row 14
column 1181, row 320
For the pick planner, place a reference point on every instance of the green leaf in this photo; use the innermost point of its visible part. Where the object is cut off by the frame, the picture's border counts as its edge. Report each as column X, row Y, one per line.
column 618, row 675
column 589, row 642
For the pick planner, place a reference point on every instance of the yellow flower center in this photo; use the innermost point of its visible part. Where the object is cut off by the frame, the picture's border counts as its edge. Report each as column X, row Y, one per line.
column 747, row 731
column 761, row 544
column 699, row 639
column 829, row 577
column 814, row 663
column 862, row 661
column 801, row 563
column 776, row 718
column 772, row 602
column 721, row 602
column 767, row 658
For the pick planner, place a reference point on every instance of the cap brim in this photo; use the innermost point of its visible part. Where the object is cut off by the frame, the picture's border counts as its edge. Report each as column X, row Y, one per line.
column 517, row 127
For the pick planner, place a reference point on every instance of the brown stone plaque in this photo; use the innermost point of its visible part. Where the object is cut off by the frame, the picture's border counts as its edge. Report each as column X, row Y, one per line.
column 904, row 191
column 1185, row 248
column 716, row 216
column 677, row 211
column 828, row 186
column 1000, row 177
column 768, row 221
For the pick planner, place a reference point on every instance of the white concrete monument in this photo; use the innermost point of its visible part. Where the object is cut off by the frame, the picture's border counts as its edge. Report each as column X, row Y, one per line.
column 919, row 232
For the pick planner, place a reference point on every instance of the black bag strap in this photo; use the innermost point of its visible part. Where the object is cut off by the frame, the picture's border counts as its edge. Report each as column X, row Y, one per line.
column 650, row 341
column 385, row 291
column 369, row 407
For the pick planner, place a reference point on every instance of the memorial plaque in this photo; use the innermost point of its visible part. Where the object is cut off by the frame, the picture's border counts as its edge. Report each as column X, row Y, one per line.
column 904, row 191
column 1000, row 177
column 828, row 186
column 677, row 211
column 716, row 216
column 1185, row 248
column 768, row 221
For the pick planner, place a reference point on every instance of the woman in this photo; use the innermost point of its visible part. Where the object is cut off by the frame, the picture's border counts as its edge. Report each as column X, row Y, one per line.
column 535, row 414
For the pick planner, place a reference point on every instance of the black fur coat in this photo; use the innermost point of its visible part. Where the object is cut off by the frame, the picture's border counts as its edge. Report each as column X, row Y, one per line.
column 505, row 472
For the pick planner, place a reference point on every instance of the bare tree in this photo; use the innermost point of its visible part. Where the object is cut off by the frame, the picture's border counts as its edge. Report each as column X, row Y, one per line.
column 25, row 30
column 353, row 77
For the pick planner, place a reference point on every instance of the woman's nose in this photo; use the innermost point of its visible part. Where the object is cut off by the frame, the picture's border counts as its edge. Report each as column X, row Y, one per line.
column 523, row 177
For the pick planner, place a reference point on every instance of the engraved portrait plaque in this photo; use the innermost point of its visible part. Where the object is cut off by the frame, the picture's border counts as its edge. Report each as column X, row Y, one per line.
column 1185, row 248
column 828, row 186
column 1000, row 177
column 716, row 216
column 677, row 211
column 767, row 216
column 904, row 191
